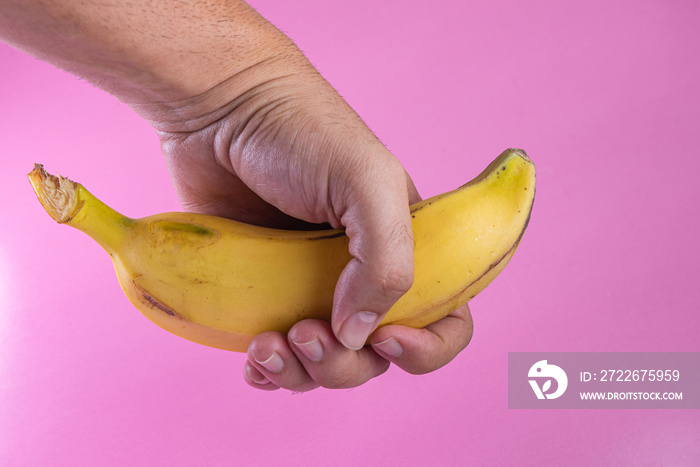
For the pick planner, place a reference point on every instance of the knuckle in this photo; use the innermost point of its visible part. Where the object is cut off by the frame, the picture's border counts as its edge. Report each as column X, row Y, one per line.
column 418, row 371
column 425, row 362
column 440, row 352
column 337, row 380
column 344, row 379
column 425, row 366
column 394, row 281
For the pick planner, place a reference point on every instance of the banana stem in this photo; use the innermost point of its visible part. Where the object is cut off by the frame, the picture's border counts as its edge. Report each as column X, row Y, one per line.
column 70, row 203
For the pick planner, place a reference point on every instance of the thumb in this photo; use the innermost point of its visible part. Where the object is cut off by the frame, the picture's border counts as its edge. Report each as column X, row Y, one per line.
column 378, row 224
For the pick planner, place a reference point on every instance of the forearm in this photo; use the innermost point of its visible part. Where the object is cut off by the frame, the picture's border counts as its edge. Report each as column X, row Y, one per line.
column 147, row 52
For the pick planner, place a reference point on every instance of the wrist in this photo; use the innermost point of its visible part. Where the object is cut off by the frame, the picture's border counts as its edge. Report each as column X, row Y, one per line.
column 174, row 108
column 169, row 60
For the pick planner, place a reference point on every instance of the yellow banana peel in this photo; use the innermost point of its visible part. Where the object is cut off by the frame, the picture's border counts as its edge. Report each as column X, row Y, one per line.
column 219, row 282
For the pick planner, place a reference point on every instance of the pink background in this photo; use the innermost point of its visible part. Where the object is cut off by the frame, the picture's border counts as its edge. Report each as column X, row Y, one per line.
column 604, row 96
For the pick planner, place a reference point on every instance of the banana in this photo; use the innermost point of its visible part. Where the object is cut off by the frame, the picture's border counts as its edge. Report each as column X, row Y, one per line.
column 219, row 282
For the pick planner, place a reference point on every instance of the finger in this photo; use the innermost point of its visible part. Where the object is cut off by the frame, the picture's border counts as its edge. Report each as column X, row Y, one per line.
column 378, row 224
column 420, row 351
column 329, row 363
column 253, row 377
column 269, row 356
column 413, row 195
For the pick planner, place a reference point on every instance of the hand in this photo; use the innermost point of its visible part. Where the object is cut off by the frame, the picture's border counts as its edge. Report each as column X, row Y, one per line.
column 251, row 131
column 310, row 356
column 291, row 153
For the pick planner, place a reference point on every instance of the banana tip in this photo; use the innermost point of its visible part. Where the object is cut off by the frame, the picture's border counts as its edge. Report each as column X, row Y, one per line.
column 58, row 195
column 519, row 152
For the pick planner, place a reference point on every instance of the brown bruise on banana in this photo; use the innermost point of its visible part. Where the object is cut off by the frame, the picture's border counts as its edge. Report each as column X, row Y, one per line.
column 168, row 236
column 151, row 301
column 167, row 319
column 58, row 195
column 331, row 234
column 177, row 228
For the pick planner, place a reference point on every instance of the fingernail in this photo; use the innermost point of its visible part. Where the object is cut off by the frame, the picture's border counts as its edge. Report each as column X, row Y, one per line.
column 357, row 328
column 255, row 375
column 313, row 350
column 273, row 364
column 391, row 347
